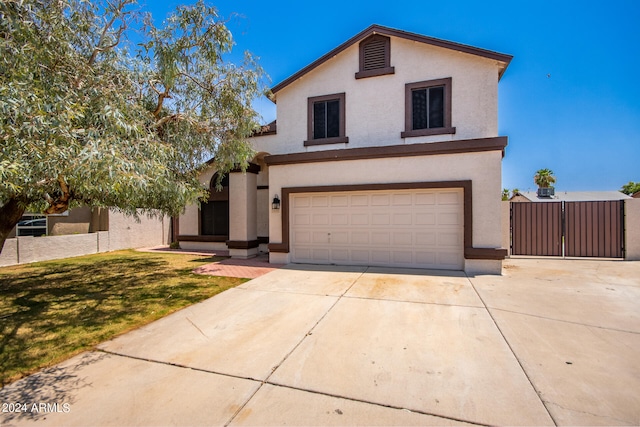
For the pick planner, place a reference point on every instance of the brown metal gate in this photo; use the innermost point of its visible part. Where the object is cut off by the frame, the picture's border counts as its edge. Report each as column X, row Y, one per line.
column 594, row 229
column 536, row 228
column 574, row 229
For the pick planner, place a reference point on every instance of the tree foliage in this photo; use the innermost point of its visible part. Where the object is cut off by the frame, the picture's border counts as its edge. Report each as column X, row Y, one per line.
column 544, row 178
column 630, row 188
column 100, row 106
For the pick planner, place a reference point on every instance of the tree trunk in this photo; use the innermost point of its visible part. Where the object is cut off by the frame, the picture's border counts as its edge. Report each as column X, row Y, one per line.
column 10, row 214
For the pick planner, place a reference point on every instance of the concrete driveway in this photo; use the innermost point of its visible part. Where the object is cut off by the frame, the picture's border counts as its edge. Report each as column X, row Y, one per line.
column 549, row 342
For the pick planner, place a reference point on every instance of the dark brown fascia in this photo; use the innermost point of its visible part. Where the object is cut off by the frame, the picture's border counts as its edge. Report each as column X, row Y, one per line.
column 405, row 150
column 378, row 29
column 242, row 244
column 470, row 252
column 269, row 129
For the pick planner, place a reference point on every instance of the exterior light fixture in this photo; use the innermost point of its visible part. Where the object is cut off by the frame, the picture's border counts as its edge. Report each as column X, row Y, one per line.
column 276, row 203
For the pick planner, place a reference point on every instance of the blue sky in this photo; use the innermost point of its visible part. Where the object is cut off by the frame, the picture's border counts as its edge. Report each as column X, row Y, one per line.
column 569, row 101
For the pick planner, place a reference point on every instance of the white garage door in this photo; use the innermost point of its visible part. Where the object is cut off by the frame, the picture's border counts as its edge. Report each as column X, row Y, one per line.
column 405, row 228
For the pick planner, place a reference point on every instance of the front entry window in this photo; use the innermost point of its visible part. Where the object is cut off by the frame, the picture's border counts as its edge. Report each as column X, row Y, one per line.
column 214, row 213
column 214, row 218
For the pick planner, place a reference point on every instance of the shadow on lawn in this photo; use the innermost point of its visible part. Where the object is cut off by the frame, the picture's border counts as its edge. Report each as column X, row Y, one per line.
column 62, row 308
column 50, row 390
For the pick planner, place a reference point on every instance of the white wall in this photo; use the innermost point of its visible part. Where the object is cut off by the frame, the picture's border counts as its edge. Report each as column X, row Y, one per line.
column 375, row 106
column 482, row 168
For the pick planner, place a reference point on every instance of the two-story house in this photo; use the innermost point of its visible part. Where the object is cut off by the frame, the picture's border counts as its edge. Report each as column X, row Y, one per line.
column 385, row 152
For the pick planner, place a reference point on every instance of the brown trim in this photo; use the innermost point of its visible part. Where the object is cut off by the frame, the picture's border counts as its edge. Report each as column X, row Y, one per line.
column 268, row 129
column 378, row 29
column 242, row 244
column 408, row 108
column 327, row 141
column 341, row 97
column 263, row 240
column 469, row 251
column 485, row 253
column 375, row 73
column 203, row 238
column 263, row 187
column 252, row 168
column 427, row 132
column 405, row 150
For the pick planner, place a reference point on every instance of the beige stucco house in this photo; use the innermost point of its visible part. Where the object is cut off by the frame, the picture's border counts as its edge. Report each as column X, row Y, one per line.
column 385, row 152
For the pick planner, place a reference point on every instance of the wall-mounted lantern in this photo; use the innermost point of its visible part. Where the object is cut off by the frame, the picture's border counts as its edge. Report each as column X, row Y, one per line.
column 276, row 203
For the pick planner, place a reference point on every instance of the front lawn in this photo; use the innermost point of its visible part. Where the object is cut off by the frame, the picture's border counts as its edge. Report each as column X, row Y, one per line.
column 50, row 311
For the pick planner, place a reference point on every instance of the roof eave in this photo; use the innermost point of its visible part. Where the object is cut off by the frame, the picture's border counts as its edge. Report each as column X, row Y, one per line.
column 378, row 29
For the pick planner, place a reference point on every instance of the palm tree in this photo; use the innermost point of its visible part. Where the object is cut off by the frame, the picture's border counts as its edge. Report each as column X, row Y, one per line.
column 544, row 178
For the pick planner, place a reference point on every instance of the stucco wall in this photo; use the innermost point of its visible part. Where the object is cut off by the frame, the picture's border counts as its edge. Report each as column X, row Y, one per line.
column 632, row 224
column 484, row 169
column 375, row 107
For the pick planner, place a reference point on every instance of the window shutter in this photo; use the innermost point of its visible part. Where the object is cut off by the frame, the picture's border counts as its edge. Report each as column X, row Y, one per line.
column 374, row 54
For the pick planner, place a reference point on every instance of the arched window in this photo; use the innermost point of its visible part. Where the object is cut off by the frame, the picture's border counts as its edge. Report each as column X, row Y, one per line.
column 214, row 214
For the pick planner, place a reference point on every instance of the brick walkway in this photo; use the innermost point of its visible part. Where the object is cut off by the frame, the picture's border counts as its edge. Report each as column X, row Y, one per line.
column 232, row 267
column 245, row 268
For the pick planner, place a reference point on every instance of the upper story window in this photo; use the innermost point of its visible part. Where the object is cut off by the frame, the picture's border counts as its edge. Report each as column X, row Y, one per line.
column 326, row 120
column 428, row 108
column 375, row 57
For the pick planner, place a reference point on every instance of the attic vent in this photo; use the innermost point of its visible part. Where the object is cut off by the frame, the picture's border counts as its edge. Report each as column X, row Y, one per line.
column 374, row 55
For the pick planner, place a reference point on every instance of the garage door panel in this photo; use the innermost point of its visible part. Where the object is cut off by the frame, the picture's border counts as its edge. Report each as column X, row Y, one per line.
column 339, row 238
column 426, row 239
column 403, row 257
column 340, row 219
column 381, row 256
column 402, row 200
column 380, row 219
column 359, row 256
column 448, row 198
column 380, row 238
column 301, row 237
column 320, row 219
column 425, row 218
column 410, row 228
column 403, row 238
column 320, row 237
column 449, row 218
column 380, row 200
column 302, row 219
column 359, row 200
column 340, row 256
column 320, row 255
column 425, row 199
column 360, row 219
column 402, row 219
column 319, row 201
column 449, row 239
column 360, row 237
column 339, row 201
column 302, row 202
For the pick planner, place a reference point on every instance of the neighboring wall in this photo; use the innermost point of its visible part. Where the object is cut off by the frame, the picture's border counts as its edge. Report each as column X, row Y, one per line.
column 124, row 233
column 632, row 227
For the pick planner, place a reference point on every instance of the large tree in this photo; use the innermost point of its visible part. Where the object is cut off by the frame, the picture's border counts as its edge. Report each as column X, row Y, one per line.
column 99, row 106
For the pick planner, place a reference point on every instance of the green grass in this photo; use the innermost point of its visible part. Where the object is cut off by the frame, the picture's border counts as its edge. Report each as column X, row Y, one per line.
column 50, row 311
